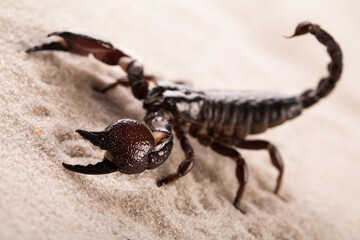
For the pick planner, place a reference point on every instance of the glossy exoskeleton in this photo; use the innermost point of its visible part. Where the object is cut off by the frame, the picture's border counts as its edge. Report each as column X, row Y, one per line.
column 221, row 120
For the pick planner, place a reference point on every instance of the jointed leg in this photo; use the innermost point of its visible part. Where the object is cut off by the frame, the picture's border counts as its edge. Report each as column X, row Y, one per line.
column 276, row 158
column 241, row 169
column 120, row 81
column 124, row 81
column 186, row 165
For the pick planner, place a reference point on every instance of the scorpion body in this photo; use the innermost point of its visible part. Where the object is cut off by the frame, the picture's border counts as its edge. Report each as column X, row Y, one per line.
column 220, row 120
column 228, row 116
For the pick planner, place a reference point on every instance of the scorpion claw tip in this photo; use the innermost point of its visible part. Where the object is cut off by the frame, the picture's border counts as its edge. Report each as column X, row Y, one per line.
column 68, row 166
column 53, row 34
column 96, row 138
column 32, row 49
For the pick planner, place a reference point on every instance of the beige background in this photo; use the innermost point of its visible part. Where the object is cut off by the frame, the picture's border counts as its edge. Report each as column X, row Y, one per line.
column 214, row 45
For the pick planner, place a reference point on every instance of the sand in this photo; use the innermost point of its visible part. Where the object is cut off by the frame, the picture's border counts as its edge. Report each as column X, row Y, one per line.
column 44, row 97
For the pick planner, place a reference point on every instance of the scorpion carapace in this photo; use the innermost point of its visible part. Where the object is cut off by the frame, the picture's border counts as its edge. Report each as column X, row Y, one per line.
column 221, row 120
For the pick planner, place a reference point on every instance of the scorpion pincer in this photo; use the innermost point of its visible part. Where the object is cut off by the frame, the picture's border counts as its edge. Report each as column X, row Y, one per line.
column 220, row 120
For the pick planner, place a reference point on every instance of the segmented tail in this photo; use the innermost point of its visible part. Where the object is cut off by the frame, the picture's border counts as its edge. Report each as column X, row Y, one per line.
column 326, row 84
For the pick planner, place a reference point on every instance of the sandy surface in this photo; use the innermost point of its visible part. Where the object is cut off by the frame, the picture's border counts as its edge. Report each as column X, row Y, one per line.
column 237, row 45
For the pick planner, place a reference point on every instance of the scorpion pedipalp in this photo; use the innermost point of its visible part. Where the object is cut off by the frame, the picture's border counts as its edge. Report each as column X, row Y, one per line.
column 127, row 143
column 131, row 147
column 104, row 51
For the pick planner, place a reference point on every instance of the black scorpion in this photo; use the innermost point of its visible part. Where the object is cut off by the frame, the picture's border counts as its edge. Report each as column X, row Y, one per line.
column 221, row 120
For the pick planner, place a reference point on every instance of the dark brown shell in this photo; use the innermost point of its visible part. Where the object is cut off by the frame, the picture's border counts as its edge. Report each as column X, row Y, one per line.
column 129, row 142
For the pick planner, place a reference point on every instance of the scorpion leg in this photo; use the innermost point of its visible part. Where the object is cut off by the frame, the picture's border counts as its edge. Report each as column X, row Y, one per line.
column 186, row 165
column 124, row 81
column 242, row 173
column 275, row 156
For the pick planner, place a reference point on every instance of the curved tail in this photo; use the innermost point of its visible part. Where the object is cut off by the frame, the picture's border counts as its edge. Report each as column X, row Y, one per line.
column 326, row 84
